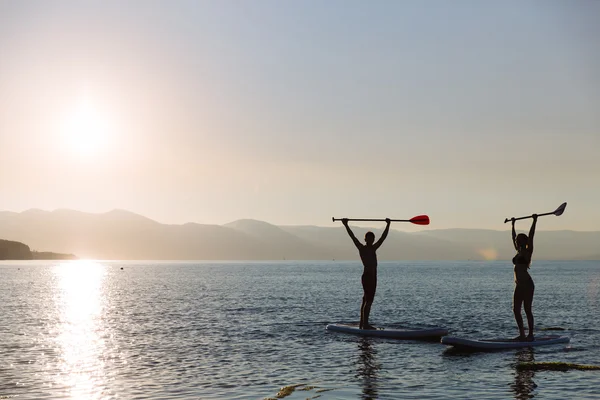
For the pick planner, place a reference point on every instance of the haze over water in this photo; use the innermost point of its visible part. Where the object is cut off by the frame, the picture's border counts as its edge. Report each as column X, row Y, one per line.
column 243, row 330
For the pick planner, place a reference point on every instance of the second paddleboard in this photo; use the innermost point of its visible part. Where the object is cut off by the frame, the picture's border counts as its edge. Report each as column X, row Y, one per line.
column 499, row 344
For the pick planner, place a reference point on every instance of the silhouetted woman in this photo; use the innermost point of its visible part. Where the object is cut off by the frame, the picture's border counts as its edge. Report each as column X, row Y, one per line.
column 524, row 284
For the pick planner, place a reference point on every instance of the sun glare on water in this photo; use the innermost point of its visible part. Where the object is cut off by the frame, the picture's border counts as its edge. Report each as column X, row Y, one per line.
column 80, row 337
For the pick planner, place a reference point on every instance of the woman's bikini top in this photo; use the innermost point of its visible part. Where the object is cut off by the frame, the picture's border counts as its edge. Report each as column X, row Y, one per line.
column 522, row 259
column 522, row 262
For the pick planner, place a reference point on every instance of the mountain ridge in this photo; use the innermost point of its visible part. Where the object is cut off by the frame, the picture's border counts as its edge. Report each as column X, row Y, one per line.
column 122, row 234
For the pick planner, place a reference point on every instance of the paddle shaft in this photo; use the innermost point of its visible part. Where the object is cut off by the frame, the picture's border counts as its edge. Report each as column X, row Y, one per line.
column 370, row 219
column 539, row 215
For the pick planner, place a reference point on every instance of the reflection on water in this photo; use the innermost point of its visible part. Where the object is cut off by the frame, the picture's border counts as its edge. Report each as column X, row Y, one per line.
column 79, row 302
column 524, row 385
column 367, row 368
column 159, row 330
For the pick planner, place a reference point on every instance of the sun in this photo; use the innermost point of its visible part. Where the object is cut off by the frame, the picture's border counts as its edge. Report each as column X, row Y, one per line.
column 86, row 129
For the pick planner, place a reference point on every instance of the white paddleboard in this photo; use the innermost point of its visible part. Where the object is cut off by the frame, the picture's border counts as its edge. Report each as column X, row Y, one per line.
column 499, row 344
column 415, row 334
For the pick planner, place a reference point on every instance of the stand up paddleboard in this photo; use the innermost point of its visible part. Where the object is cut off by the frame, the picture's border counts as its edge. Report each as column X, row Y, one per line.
column 416, row 334
column 500, row 344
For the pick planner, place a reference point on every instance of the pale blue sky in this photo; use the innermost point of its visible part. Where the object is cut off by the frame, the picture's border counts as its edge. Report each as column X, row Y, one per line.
column 296, row 111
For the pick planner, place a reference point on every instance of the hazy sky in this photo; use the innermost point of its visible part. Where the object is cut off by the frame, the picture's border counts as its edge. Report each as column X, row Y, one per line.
column 296, row 111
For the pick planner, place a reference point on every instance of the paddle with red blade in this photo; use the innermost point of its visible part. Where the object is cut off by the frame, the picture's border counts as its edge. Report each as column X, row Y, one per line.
column 557, row 212
column 418, row 220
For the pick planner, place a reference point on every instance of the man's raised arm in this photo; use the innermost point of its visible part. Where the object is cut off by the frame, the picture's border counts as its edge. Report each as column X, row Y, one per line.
column 354, row 239
column 384, row 234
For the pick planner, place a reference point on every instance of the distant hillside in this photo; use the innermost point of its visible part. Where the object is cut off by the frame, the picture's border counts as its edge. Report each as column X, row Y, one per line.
column 10, row 250
column 124, row 235
column 282, row 244
column 46, row 255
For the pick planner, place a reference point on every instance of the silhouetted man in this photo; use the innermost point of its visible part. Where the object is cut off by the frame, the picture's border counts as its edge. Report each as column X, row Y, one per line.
column 369, row 277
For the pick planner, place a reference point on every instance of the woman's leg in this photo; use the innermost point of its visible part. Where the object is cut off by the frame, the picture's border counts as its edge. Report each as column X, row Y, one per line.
column 527, row 303
column 517, row 301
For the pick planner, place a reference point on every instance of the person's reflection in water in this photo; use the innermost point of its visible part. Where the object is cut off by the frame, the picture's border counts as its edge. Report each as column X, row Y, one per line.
column 524, row 385
column 367, row 368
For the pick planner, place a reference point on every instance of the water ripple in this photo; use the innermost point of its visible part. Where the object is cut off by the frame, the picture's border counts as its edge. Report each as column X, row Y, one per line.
column 247, row 330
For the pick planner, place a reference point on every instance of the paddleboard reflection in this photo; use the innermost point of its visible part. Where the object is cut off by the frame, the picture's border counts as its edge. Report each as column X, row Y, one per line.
column 524, row 386
column 367, row 368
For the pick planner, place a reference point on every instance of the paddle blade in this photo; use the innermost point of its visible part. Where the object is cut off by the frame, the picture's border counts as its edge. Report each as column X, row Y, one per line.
column 420, row 220
column 560, row 209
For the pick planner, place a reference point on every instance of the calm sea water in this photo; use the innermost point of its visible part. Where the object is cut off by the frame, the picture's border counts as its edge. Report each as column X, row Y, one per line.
column 244, row 330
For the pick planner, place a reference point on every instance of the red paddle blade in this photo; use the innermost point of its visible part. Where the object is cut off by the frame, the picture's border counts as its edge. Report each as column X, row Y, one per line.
column 560, row 209
column 420, row 220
